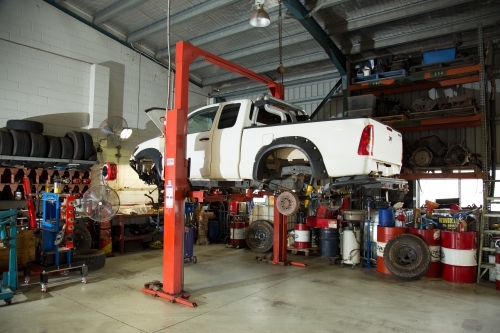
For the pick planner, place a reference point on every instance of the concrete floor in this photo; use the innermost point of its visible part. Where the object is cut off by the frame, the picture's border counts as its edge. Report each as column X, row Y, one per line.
column 237, row 293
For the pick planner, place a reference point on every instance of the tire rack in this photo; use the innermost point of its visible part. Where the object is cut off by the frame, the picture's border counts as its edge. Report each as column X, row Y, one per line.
column 52, row 234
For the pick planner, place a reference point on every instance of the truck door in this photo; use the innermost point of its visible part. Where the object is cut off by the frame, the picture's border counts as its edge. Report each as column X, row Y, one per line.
column 199, row 141
column 227, row 141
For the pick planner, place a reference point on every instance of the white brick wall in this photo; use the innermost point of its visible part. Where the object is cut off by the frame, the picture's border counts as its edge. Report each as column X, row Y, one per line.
column 45, row 75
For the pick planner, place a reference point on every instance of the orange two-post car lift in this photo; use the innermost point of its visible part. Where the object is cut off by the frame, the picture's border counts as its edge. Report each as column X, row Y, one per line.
column 175, row 175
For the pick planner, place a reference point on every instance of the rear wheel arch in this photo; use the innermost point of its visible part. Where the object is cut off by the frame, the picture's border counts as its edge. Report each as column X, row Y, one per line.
column 307, row 147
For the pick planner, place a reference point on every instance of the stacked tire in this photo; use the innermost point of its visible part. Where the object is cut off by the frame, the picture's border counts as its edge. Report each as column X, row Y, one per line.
column 25, row 138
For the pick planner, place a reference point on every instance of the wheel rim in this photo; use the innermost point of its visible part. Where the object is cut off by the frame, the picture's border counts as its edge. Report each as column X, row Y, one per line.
column 260, row 236
column 406, row 256
column 288, row 203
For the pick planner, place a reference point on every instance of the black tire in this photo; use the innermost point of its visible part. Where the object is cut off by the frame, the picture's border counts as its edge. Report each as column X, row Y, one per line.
column 78, row 144
column 82, row 240
column 259, row 236
column 25, row 125
column 53, row 147
column 94, row 259
column 88, row 144
column 21, row 143
column 6, row 143
column 396, row 196
column 38, row 145
column 407, row 257
column 93, row 157
column 67, row 150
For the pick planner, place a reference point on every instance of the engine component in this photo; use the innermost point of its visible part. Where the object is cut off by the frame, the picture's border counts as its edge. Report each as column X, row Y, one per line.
column 288, row 203
column 434, row 144
column 457, row 155
column 421, row 157
column 424, row 104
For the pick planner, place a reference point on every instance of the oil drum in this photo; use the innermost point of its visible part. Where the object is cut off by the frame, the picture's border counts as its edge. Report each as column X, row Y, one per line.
column 458, row 256
column 237, row 230
column 106, row 244
column 302, row 236
column 385, row 234
column 433, row 240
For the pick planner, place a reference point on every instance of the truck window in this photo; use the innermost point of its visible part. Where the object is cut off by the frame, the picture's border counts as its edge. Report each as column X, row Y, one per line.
column 264, row 117
column 229, row 115
column 202, row 121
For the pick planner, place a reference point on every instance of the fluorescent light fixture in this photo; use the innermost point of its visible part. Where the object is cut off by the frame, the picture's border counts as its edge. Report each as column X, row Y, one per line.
column 125, row 133
column 259, row 17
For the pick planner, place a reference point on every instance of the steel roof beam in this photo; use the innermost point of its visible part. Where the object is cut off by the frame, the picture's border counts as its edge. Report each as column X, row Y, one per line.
column 235, row 29
column 268, row 68
column 447, row 29
column 113, row 10
column 392, row 14
column 217, row 35
column 291, row 40
column 334, row 53
column 177, row 18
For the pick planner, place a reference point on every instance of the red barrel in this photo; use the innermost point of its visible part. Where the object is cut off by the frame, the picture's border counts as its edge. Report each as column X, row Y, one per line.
column 237, row 230
column 385, row 234
column 433, row 240
column 302, row 236
column 233, row 207
column 497, row 267
column 458, row 256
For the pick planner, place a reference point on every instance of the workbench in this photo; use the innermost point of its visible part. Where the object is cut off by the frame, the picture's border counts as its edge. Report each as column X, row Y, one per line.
column 121, row 238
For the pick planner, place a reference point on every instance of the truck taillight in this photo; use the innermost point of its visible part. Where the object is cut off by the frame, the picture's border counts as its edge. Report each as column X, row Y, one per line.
column 366, row 141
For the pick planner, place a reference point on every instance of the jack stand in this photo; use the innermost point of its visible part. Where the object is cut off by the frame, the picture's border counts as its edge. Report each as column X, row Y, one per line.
column 155, row 288
column 9, row 279
column 279, row 247
column 368, row 243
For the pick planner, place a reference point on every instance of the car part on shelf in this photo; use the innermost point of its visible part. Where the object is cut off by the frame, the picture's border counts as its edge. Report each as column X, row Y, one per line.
column 259, row 236
column 5, row 143
column 457, row 155
column 38, row 145
column 407, row 257
column 424, row 104
column 421, row 157
column 78, row 144
column 21, row 143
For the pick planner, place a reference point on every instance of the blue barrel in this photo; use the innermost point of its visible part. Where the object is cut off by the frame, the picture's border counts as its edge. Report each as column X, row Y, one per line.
column 385, row 217
column 188, row 242
column 329, row 242
column 213, row 231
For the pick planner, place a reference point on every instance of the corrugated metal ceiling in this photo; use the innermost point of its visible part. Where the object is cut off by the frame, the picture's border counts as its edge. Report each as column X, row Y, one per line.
column 361, row 29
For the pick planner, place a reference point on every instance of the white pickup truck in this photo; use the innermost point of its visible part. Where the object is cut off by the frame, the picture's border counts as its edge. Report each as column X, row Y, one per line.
column 271, row 142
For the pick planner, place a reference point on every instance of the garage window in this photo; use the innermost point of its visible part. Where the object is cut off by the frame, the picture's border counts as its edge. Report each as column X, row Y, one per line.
column 202, row 121
column 470, row 191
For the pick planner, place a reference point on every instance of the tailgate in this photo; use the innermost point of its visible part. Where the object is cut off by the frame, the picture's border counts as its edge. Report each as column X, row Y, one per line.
column 388, row 143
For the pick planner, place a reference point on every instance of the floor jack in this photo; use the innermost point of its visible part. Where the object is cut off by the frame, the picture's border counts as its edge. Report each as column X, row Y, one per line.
column 9, row 281
column 53, row 215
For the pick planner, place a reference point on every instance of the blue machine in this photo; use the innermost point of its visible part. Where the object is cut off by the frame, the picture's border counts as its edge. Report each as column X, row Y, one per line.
column 189, row 232
column 9, row 280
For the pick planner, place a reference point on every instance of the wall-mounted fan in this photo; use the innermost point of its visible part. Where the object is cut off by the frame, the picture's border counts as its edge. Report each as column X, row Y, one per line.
column 100, row 203
column 112, row 132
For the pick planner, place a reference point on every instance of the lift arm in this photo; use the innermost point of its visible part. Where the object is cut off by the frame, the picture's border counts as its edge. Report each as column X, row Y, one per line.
column 175, row 171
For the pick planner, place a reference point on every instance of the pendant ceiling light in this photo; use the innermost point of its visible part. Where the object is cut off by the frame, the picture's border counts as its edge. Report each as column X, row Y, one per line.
column 259, row 17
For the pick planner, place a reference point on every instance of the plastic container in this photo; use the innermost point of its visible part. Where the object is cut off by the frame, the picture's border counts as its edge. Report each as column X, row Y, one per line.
column 386, row 217
column 361, row 113
column 431, row 57
column 361, row 102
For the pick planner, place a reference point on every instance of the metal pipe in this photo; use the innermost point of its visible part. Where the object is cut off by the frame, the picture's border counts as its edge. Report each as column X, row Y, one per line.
column 277, row 112
column 286, row 112
column 282, row 103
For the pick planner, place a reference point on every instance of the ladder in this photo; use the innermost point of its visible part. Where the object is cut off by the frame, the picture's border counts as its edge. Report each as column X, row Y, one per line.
column 485, row 232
